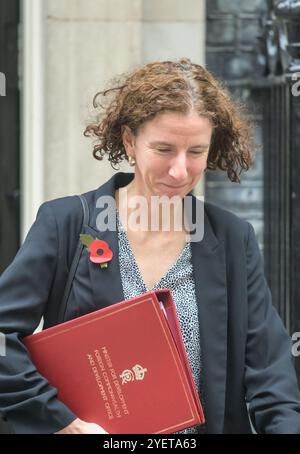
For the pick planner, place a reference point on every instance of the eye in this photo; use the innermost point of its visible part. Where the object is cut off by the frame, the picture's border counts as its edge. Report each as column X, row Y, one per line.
column 164, row 150
column 195, row 152
column 199, row 152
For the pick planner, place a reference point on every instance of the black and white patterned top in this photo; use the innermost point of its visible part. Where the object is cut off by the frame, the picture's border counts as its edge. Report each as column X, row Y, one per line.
column 179, row 279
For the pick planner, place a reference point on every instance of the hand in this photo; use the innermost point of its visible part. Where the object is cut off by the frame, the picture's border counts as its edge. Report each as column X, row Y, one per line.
column 81, row 427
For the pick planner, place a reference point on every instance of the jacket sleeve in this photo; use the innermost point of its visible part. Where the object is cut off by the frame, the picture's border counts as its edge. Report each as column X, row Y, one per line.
column 271, row 384
column 26, row 399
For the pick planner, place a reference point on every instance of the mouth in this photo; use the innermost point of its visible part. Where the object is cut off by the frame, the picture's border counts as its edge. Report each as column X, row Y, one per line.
column 175, row 187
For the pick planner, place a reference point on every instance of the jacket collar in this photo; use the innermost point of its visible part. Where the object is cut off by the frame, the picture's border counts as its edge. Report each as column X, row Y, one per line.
column 209, row 266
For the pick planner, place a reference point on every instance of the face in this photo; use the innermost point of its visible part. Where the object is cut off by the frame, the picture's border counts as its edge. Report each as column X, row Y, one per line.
column 170, row 152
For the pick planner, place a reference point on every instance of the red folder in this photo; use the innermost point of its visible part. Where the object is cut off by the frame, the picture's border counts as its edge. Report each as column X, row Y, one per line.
column 123, row 367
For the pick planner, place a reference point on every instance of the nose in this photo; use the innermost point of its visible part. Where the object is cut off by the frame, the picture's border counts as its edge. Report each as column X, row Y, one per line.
column 178, row 167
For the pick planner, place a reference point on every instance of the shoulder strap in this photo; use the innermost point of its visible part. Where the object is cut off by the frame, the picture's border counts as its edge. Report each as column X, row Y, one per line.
column 75, row 261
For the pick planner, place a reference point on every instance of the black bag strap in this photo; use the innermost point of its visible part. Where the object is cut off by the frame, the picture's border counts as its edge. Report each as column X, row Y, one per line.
column 75, row 261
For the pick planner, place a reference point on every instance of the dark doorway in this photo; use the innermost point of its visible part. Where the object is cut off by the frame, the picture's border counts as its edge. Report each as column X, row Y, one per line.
column 9, row 133
column 9, row 139
column 255, row 47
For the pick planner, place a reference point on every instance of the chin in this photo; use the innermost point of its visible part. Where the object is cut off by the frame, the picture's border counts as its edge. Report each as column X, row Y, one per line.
column 174, row 191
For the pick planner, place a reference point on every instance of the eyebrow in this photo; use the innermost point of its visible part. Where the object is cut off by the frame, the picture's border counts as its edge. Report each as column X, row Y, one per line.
column 167, row 144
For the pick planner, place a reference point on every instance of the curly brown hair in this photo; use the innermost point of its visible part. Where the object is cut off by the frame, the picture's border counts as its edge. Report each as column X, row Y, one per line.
column 178, row 86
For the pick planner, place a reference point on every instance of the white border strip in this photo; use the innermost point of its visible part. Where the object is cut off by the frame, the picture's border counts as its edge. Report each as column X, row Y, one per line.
column 32, row 110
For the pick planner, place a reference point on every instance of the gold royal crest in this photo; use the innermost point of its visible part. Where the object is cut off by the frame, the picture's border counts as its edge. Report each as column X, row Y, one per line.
column 137, row 372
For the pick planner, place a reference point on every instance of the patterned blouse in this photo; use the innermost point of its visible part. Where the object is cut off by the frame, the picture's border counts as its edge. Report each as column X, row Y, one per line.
column 179, row 279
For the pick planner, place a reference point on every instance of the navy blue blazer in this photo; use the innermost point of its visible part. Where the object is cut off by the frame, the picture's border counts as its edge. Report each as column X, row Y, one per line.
column 246, row 352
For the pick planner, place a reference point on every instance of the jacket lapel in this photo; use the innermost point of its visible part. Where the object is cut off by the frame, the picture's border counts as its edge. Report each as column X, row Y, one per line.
column 208, row 257
column 106, row 282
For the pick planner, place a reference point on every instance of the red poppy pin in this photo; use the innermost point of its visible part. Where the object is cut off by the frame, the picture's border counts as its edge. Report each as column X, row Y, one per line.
column 99, row 250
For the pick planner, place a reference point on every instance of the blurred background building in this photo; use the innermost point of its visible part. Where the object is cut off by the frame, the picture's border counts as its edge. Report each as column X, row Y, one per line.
column 56, row 54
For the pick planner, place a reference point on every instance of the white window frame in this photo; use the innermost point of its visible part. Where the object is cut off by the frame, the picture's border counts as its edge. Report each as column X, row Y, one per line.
column 31, row 64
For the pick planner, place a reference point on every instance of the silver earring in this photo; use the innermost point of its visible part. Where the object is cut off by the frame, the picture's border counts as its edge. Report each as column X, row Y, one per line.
column 131, row 161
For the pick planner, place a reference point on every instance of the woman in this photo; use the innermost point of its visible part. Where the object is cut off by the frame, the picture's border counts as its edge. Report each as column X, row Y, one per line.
column 171, row 120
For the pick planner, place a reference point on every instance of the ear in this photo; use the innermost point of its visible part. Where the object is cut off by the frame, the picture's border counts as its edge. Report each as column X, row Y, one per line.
column 128, row 140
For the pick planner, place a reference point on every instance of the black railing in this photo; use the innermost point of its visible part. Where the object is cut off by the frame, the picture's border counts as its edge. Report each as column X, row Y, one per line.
column 277, row 179
column 281, row 100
